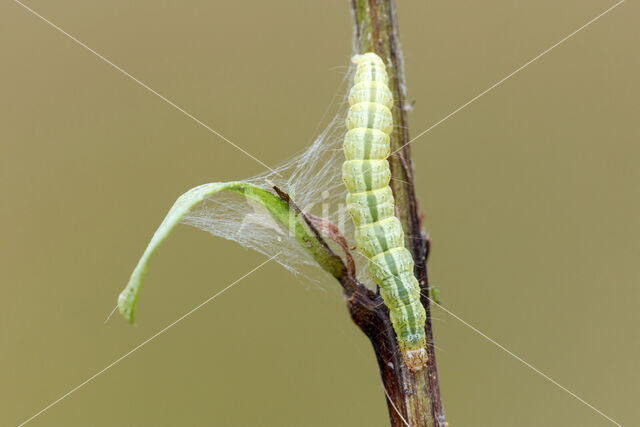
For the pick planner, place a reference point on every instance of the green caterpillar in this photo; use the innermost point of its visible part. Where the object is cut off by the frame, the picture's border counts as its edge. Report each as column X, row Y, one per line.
column 379, row 235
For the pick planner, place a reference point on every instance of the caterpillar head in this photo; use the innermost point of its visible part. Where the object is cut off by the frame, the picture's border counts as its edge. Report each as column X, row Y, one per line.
column 367, row 57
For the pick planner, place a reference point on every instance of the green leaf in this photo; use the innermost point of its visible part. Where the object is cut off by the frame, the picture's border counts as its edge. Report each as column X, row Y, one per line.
column 279, row 207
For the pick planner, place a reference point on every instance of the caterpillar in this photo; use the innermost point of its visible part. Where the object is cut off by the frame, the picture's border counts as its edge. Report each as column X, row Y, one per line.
column 379, row 235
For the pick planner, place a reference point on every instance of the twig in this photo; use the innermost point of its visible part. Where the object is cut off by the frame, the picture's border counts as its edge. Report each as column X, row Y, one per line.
column 412, row 397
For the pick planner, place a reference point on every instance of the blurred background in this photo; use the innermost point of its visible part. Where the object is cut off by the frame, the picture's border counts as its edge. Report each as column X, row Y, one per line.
column 530, row 196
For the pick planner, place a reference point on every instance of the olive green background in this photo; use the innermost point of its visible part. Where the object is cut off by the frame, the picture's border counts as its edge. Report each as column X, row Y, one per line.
column 530, row 195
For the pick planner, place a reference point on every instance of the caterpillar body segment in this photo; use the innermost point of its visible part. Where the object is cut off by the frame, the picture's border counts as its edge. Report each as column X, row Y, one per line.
column 379, row 235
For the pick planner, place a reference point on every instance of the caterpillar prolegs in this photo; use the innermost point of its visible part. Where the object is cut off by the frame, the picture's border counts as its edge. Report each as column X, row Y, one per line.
column 379, row 235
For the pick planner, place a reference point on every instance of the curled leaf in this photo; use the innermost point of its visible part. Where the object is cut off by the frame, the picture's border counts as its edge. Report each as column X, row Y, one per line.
column 279, row 207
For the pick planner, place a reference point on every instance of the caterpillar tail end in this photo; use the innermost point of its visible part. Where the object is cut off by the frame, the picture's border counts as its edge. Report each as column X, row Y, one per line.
column 415, row 359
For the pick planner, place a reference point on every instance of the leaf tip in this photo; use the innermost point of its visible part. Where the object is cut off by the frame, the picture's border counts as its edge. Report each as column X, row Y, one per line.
column 127, row 304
